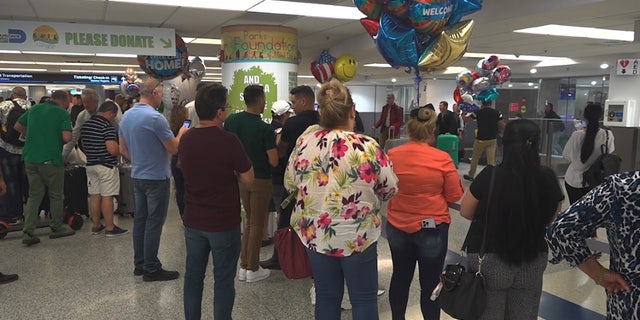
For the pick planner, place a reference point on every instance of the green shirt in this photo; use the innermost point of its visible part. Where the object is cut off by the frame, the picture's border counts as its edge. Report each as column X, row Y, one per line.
column 257, row 137
column 45, row 123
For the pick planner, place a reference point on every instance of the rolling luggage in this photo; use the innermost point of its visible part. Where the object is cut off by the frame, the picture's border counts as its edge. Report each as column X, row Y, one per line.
column 76, row 195
column 126, row 200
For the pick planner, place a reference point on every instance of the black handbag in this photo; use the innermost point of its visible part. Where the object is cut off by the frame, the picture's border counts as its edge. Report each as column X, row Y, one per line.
column 462, row 294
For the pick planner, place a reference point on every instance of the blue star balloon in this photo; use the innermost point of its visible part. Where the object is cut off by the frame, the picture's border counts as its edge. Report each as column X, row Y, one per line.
column 397, row 42
column 462, row 8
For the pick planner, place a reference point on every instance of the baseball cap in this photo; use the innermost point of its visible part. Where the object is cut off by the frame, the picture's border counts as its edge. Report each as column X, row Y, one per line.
column 281, row 107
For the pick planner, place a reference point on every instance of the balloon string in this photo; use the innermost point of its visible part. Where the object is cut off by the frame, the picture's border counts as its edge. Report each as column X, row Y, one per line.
column 416, row 82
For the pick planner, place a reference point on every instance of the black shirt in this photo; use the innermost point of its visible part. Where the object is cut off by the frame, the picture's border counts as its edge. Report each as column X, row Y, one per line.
column 487, row 123
column 294, row 127
column 508, row 231
column 447, row 123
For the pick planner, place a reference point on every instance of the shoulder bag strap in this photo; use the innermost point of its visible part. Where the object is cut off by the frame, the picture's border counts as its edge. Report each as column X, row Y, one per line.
column 604, row 148
column 486, row 220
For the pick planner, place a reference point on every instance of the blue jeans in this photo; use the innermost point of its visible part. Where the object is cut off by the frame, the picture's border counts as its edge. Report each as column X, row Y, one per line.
column 360, row 270
column 178, row 181
column 12, row 203
column 152, row 203
column 428, row 247
column 225, row 250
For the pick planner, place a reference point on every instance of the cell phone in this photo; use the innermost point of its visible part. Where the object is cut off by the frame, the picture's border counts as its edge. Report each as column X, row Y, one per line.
column 187, row 123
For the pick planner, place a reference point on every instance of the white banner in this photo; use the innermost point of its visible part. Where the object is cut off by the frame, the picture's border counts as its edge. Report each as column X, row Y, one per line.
column 86, row 38
column 628, row 67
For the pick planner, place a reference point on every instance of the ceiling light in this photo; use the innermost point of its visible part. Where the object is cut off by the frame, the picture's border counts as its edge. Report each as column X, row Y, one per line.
column 510, row 85
column 553, row 62
column 604, row 78
column 318, row 85
column 307, row 9
column 202, row 40
column 115, row 65
column 58, row 53
column 519, row 57
column 533, row 70
column 535, row 87
column 97, row 71
column 209, row 58
column 579, row 32
column 593, row 83
column 213, row 68
column 235, row 5
column 116, row 55
column 88, row 64
column 604, row 66
column 394, row 80
column 378, row 65
column 530, row 84
column 10, row 51
column 305, row 77
column 23, row 69
column 454, row 70
column 16, row 62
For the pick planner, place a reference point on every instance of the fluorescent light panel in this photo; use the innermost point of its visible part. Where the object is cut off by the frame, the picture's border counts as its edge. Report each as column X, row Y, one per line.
column 58, row 53
column 202, row 40
column 23, row 69
column 308, row 10
column 305, row 77
column 205, row 58
column 235, row 5
column 97, row 71
column 378, row 65
column 579, row 32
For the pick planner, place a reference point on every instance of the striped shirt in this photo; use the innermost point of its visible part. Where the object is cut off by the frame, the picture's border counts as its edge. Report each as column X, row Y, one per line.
column 94, row 134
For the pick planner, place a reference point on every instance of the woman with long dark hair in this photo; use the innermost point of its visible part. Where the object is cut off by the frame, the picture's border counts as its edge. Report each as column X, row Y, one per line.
column 525, row 198
column 582, row 149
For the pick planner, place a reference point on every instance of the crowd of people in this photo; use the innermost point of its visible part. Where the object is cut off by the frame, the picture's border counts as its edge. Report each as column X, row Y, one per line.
column 339, row 178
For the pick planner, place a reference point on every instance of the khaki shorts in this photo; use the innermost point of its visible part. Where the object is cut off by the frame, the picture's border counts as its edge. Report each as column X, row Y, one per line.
column 103, row 180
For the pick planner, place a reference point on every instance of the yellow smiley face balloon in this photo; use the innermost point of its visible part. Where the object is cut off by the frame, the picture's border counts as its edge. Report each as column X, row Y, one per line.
column 345, row 67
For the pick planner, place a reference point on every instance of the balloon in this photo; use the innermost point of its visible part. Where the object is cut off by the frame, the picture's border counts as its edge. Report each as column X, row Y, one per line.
column 371, row 8
column 370, row 25
column 464, row 80
column 467, row 98
column 462, row 8
column 132, row 88
column 398, row 8
column 396, row 42
column 456, row 95
column 487, row 95
column 323, row 68
column 430, row 16
column 480, row 84
column 480, row 70
column 345, row 67
column 449, row 48
column 197, row 68
column 323, row 72
column 490, row 62
column 500, row 74
column 467, row 107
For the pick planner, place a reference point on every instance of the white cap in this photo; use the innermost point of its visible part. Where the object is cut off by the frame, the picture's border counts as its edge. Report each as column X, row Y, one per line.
column 281, row 107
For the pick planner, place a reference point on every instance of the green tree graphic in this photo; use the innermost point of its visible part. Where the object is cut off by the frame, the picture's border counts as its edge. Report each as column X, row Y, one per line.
column 243, row 78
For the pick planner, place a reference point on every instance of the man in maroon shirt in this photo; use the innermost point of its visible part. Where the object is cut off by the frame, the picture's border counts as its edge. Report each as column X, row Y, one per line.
column 390, row 120
column 212, row 162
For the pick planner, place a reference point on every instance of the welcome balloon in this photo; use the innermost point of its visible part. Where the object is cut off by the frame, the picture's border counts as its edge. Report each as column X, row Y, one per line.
column 430, row 16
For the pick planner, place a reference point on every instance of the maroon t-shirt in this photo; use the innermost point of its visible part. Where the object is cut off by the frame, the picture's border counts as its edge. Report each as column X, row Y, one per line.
column 209, row 158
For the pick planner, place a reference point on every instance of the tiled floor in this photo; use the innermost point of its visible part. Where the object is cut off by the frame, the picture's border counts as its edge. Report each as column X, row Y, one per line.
column 90, row 277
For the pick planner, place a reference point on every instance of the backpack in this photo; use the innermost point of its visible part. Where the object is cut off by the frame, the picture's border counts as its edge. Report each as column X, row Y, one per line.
column 8, row 133
column 605, row 165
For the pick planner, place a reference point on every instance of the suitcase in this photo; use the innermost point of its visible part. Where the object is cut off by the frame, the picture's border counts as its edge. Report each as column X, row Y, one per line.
column 126, row 199
column 449, row 143
column 76, row 195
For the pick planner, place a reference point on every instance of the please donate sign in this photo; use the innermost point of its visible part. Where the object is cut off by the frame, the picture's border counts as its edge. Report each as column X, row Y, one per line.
column 85, row 38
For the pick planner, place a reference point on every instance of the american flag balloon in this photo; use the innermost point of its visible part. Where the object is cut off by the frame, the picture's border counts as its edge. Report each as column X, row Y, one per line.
column 322, row 69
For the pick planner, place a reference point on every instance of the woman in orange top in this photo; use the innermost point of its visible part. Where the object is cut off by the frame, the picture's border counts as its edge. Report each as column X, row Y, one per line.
column 418, row 216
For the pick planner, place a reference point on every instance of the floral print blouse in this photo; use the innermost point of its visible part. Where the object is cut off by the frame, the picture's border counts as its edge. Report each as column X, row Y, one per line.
column 341, row 178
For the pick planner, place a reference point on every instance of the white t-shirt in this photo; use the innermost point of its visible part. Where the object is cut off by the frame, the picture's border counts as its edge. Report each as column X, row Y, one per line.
column 192, row 115
column 571, row 152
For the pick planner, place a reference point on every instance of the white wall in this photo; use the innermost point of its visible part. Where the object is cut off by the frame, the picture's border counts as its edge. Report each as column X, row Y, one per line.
column 436, row 91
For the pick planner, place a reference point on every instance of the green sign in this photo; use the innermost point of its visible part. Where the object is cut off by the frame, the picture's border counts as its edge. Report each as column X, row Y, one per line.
column 254, row 75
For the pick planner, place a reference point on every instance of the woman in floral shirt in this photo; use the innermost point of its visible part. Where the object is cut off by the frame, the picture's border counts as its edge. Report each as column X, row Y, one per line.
column 340, row 177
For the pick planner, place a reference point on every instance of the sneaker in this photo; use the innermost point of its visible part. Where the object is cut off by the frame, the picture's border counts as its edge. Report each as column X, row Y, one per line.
column 160, row 275
column 61, row 232
column 117, row 231
column 6, row 278
column 260, row 274
column 30, row 240
column 270, row 264
column 97, row 230
column 138, row 272
column 467, row 177
column 242, row 274
column 14, row 222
